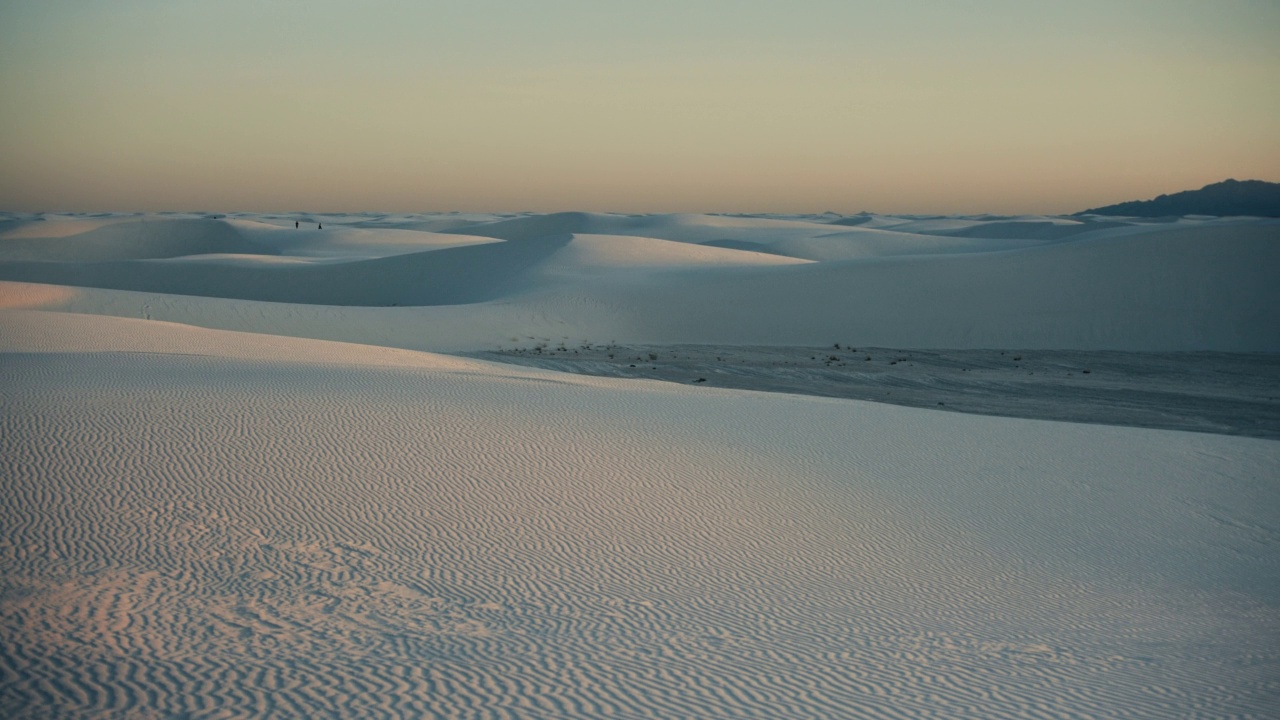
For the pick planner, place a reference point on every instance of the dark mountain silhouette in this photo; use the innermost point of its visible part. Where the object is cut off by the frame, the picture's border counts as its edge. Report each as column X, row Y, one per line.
column 1229, row 197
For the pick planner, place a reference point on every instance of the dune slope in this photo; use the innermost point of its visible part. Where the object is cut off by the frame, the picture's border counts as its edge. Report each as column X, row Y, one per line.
column 1163, row 287
column 130, row 240
column 1198, row 288
column 448, row 276
column 209, row 523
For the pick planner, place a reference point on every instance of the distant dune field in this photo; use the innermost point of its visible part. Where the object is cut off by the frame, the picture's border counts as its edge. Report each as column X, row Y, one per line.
column 253, row 470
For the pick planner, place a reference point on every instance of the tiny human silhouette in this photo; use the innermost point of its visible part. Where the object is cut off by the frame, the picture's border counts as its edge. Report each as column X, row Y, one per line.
column 295, row 224
column 321, row 226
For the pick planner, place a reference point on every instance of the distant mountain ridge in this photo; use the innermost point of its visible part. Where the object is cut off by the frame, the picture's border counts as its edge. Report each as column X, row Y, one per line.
column 1230, row 197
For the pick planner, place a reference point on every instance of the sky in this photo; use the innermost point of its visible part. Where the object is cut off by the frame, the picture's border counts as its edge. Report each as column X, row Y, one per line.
column 894, row 106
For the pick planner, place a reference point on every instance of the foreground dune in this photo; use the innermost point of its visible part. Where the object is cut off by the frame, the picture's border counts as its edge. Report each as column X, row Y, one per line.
column 287, row 526
column 212, row 508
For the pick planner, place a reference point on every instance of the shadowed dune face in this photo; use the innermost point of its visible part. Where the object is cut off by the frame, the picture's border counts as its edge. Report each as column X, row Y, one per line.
column 42, row 227
column 136, row 240
column 688, row 228
column 893, row 282
column 549, row 224
column 660, row 226
column 1034, row 230
column 449, row 276
column 1191, row 288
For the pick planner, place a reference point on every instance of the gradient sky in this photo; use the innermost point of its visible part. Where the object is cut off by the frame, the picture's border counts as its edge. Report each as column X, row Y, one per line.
column 947, row 106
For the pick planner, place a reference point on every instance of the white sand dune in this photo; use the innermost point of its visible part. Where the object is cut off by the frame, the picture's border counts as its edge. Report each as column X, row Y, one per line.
column 211, row 508
column 1199, row 286
column 346, row 242
column 284, row 529
column 1035, row 229
column 805, row 239
column 473, row 272
column 130, row 240
column 41, row 226
column 431, row 223
column 450, row 276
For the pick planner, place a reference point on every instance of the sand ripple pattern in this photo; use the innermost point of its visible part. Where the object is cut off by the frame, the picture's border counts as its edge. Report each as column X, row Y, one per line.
column 205, row 537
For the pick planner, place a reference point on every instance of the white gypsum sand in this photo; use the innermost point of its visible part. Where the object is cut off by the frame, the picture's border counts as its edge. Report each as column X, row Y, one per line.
column 1195, row 285
column 210, row 508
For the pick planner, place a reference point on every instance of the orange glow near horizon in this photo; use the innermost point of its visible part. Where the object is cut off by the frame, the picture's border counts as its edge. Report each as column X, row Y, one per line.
column 490, row 106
